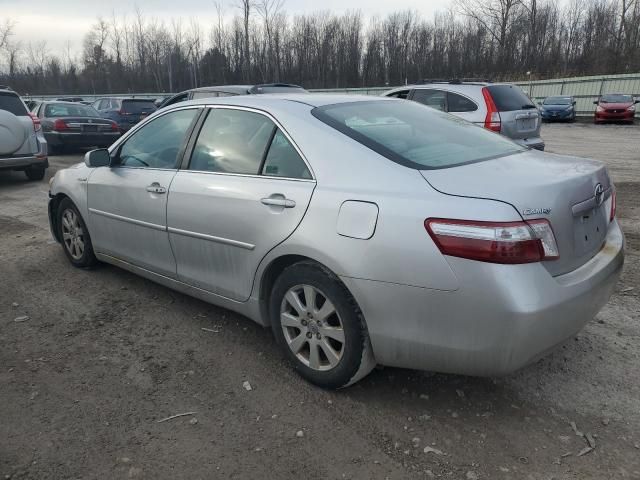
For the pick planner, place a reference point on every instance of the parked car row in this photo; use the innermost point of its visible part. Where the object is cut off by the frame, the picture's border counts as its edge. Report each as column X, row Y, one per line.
column 613, row 107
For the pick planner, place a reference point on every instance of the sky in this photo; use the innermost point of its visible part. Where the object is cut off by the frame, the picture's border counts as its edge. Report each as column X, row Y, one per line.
column 63, row 22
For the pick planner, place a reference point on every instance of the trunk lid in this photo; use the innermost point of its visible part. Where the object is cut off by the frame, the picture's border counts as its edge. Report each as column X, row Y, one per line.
column 85, row 124
column 541, row 185
column 519, row 116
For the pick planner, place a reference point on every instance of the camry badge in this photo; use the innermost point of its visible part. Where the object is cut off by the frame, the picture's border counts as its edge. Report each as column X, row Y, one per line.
column 599, row 194
column 536, row 211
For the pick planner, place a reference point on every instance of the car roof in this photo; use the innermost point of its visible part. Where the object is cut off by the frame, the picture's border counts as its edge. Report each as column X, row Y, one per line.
column 260, row 101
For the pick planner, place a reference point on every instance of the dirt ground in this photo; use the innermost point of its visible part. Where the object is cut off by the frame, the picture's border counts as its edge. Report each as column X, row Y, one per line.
column 104, row 355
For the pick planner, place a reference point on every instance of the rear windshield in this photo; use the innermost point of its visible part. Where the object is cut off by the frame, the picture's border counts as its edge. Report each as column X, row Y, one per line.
column 509, row 98
column 66, row 110
column 414, row 135
column 12, row 103
column 616, row 99
column 138, row 106
column 557, row 101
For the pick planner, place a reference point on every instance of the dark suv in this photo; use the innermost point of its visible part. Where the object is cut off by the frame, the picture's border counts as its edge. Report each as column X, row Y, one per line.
column 22, row 145
column 126, row 112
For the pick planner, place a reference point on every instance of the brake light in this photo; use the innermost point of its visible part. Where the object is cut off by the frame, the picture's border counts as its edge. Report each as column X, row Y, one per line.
column 612, row 214
column 36, row 123
column 60, row 125
column 114, row 127
column 494, row 242
column 492, row 119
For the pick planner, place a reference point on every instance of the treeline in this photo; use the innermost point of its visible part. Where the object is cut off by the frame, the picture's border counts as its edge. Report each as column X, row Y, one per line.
column 256, row 41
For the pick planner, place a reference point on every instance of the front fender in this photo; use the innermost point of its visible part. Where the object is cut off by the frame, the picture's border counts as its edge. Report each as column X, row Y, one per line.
column 72, row 182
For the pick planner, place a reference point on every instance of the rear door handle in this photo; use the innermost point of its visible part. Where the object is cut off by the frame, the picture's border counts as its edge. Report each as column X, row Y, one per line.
column 155, row 187
column 278, row 202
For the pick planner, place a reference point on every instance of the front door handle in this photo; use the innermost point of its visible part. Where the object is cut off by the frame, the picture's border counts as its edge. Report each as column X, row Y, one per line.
column 155, row 187
column 278, row 202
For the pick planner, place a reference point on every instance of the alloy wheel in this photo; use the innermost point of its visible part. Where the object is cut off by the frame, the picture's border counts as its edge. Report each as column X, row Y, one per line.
column 72, row 234
column 312, row 327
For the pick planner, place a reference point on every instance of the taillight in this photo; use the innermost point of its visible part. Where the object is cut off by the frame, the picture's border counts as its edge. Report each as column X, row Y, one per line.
column 492, row 119
column 36, row 123
column 60, row 125
column 494, row 242
column 114, row 127
column 612, row 213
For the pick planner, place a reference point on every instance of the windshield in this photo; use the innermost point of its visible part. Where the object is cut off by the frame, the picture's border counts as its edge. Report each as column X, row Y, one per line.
column 557, row 101
column 68, row 110
column 12, row 103
column 616, row 99
column 415, row 135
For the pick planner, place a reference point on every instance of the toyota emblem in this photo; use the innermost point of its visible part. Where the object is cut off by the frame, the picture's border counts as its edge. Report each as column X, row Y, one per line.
column 599, row 194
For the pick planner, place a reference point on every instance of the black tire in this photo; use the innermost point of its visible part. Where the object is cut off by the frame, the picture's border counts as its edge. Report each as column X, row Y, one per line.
column 356, row 359
column 35, row 173
column 87, row 258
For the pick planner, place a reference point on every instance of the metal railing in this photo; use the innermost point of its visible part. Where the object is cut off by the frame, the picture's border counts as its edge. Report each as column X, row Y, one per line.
column 585, row 90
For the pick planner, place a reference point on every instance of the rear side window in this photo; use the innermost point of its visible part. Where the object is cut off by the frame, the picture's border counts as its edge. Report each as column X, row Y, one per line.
column 138, row 106
column 431, row 98
column 232, row 141
column 509, row 98
column 12, row 103
column 458, row 103
column 414, row 136
column 283, row 160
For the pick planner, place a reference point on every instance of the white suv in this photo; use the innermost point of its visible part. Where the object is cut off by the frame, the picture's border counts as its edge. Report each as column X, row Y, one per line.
column 22, row 144
column 500, row 107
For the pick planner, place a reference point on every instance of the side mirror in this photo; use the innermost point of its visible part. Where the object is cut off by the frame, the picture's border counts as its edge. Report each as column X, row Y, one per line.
column 539, row 103
column 574, row 103
column 596, row 102
column 97, row 158
column 637, row 101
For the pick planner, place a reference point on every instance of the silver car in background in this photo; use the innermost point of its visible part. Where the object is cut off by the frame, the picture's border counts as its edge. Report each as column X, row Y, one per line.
column 500, row 107
column 360, row 230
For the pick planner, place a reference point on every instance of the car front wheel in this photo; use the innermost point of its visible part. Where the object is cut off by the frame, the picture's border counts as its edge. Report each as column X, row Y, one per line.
column 319, row 326
column 73, row 233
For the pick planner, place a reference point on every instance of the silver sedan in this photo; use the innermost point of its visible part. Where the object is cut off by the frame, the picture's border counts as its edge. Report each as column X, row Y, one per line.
column 362, row 231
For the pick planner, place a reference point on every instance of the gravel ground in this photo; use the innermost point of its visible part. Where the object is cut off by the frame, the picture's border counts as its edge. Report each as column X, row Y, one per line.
column 104, row 355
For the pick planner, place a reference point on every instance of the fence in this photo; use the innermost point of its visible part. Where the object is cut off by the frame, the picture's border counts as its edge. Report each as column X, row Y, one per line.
column 585, row 89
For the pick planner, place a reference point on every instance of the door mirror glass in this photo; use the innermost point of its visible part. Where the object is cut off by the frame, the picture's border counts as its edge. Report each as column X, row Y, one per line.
column 596, row 102
column 97, row 158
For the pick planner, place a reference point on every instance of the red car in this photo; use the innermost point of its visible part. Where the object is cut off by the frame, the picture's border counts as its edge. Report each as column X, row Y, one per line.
column 615, row 107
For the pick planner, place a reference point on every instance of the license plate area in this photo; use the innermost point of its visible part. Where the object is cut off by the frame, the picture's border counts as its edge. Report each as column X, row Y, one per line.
column 90, row 128
column 527, row 124
column 590, row 230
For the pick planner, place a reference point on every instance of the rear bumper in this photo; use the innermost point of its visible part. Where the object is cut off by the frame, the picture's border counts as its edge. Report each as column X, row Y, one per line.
column 23, row 162
column 81, row 139
column 502, row 317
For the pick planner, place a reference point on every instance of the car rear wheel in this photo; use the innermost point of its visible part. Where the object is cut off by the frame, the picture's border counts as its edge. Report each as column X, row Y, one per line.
column 35, row 173
column 319, row 326
column 74, row 236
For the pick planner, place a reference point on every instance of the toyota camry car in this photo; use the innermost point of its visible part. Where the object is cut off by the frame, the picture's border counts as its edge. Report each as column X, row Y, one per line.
column 615, row 108
column 362, row 231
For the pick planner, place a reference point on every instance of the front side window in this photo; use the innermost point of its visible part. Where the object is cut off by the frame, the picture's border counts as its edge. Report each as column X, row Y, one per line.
column 414, row 136
column 158, row 143
column 458, row 103
column 431, row 98
column 232, row 141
